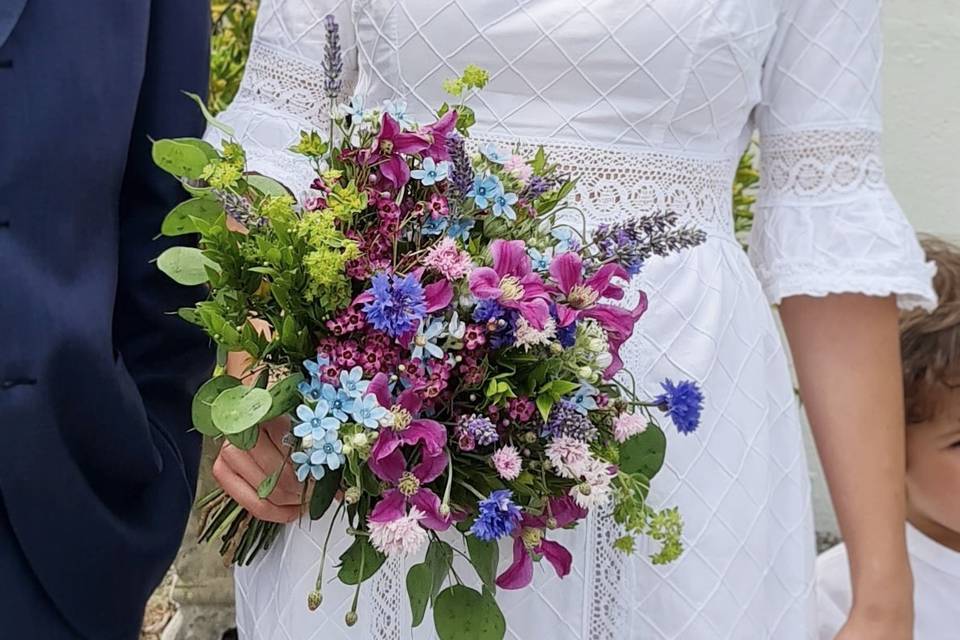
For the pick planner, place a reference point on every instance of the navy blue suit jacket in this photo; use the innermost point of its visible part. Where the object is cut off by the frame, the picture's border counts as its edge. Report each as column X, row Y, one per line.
column 97, row 463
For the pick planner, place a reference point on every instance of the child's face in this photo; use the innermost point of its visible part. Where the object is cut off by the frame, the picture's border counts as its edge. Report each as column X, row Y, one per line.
column 933, row 472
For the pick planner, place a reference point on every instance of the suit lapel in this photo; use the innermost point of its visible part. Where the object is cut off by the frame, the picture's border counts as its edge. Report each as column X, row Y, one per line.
column 10, row 11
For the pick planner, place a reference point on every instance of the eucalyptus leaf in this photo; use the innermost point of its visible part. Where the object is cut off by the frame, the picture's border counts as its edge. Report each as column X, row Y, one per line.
column 180, row 221
column 203, row 402
column 266, row 186
column 286, row 396
column 484, row 557
column 324, row 491
column 461, row 613
column 438, row 559
column 240, row 408
column 361, row 551
column 180, row 159
column 418, row 590
column 644, row 452
column 184, row 265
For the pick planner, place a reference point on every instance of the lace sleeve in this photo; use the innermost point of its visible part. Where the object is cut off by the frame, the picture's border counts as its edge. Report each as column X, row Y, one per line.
column 282, row 89
column 826, row 221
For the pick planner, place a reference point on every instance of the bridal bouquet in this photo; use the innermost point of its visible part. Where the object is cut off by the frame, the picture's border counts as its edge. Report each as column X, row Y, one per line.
column 445, row 348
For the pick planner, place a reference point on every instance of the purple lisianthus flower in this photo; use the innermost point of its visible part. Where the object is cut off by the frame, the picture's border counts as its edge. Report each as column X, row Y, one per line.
column 397, row 304
column 683, row 402
column 498, row 516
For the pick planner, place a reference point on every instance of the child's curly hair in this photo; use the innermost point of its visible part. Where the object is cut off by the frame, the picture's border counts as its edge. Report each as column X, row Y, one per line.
column 930, row 342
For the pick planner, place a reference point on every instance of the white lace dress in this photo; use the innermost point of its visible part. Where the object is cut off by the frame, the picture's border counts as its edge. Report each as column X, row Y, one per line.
column 650, row 103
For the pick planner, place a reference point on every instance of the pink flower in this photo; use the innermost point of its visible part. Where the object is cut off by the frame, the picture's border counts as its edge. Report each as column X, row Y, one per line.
column 594, row 488
column 512, row 282
column 408, row 489
column 518, row 168
column 529, row 541
column 438, row 133
column 506, row 460
column 438, row 206
column 628, row 425
column 568, row 456
column 581, row 296
column 401, row 537
column 390, row 147
column 521, row 409
column 405, row 428
column 448, row 260
column 474, row 337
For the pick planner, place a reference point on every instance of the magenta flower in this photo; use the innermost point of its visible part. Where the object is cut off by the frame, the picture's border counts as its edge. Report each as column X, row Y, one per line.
column 408, row 489
column 581, row 300
column 438, row 133
column 390, row 146
column 512, row 282
column 529, row 542
column 405, row 427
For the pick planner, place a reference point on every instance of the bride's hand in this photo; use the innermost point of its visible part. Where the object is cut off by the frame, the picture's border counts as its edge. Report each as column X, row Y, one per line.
column 240, row 473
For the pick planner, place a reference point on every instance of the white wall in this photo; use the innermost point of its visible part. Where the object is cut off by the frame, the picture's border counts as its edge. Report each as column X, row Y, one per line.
column 922, row 138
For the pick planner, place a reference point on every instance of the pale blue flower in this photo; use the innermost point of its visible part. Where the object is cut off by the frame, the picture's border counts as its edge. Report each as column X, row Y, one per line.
column 493, row 154
column 315, row 422
column 328, row 452
column 354, row 109
column 431, row 172
column 425, row 342
column 311, row 391
column 397, row 109
column 538, row 261
column 461, row 228
column 352, row 383
column 565, row 239
column 339, row 400
column 313, row 367
column 585, row 398
column 502, row 205
column 433, row 226
column 306, row 466
column 456, row 328
column 484, row 190
column 367, row 412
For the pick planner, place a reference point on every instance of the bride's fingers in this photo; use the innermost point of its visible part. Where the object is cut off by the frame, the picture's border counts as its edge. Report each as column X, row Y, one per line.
column 254, row 466
column 276, row 430
column 246, row 496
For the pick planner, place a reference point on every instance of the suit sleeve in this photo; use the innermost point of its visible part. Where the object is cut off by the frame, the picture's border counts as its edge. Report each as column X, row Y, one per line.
column 166, row 357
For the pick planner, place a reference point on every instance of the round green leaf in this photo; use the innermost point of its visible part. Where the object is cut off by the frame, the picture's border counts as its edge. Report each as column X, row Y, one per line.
column 179, row 158
column 350, row 561
column 644, row 452
column 266, row 186
column 418, row 589
column 185, row 265
column 203, row 403
column 286, row 396
column 240, row 408
column 180, row 221
column 460, row 613
column 204, row 146
column 244, row 440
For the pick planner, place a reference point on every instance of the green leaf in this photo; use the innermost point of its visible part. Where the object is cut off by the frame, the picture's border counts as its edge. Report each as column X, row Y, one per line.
column 266, row 186
column 286, row 396
column 213, row 122
column 644, row 452
column 438, row 559
column 203, row 401
column 461, row 613
column 418, row 589
column 180, row 159
column 190, row 315
column 244, row 440
column 185, row 265
column 484, row 557
column 544, row 404
column 324, row 491
column 560, row 387
column 240, row 408
column 350, row 561
column 268, row 485
column 180, row 221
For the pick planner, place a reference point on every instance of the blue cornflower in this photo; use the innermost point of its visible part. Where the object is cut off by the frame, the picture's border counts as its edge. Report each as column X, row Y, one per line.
column 493, row 154
column 306, row 466
column 585, row 398
column 505, row 334
column 425, row 342
column 484, row 190
column 433, row 226
column 367, row 412
column 567, row 336
column 498, row 516
column 354, row 109
column 353, row 384
column 633, row 266
column 397, row 109
column 315, row 422
column 313, row 367
column 502, row 205
column 538, row 261
column 683, row 402
column 487, row 310
column 328, row 452
column 461, row 228
column 431, row 172
column 311, row 391
column 339, row 400
column 398, row 304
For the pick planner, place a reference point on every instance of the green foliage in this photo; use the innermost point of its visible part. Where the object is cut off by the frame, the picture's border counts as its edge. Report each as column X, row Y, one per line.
column 744, row 198
column 644, row 452
column 359, row 562
column 460, row 613
column 233, row 22
column 203, row 402
column 418, row 590
column 324, row 491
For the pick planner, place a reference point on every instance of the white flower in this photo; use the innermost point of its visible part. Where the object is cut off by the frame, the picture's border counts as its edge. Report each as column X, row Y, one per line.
column 594, row 489
column 526, row 336
column 401, row 537
column 568, row 456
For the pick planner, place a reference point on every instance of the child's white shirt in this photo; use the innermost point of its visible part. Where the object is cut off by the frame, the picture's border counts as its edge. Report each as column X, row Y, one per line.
column 936, row 576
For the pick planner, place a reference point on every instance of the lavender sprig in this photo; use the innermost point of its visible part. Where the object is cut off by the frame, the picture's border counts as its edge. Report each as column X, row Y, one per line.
column 332, row 60
column 461, row 176
column 631, row 242
column 536, row 187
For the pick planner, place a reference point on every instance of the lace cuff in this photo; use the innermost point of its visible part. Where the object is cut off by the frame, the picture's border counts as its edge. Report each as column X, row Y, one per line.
column 827, row 223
